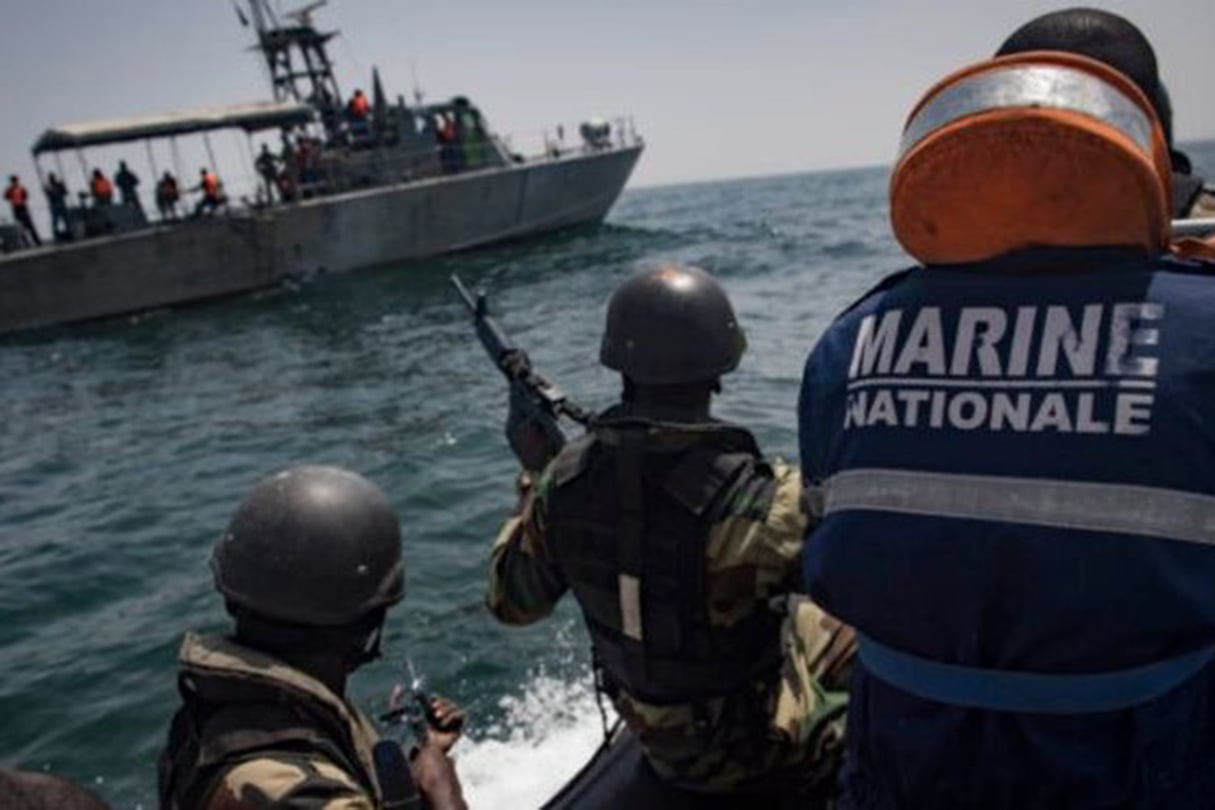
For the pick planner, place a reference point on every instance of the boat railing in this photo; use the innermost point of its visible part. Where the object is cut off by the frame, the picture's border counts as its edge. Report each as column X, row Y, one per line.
column 568, row 140
column 339, row 171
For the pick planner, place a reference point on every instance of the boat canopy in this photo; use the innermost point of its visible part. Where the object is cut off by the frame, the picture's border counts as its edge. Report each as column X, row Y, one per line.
column 249, row 117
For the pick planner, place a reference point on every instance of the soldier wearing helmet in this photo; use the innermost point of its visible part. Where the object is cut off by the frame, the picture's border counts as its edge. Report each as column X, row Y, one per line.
column 1009, row 446
column 308, row 568
column 680, row 542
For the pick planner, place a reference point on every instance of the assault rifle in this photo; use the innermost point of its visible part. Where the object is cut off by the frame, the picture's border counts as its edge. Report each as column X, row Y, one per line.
column 536, row 405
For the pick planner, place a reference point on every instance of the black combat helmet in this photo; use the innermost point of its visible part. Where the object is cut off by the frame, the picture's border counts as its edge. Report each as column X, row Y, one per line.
column 670, row 326
column 316, row 546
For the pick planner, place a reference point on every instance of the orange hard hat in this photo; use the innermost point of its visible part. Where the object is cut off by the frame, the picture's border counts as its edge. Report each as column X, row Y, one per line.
column 1038, row 149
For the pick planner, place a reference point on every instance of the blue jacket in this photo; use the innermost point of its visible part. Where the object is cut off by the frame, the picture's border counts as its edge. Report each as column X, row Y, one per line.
column 1015, row 463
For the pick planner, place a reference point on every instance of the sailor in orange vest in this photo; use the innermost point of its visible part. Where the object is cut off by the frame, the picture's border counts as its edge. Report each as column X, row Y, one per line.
column 212, row 192
column 18, row 199
column 359, row 106
column 358, row 111
column 102, row 189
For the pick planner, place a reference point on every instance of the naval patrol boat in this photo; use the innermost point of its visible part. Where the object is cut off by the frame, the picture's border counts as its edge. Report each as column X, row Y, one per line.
column 352, row 187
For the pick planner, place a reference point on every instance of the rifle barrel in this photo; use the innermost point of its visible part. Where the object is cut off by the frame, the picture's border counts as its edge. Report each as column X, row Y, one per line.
column 498, row 345
column 469, row 301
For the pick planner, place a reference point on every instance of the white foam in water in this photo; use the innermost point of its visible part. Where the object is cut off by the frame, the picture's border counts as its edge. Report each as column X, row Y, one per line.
column 544, row 737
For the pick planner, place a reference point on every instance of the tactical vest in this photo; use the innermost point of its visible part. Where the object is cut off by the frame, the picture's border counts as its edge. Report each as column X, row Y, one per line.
column 631, row 507
column 237, row 709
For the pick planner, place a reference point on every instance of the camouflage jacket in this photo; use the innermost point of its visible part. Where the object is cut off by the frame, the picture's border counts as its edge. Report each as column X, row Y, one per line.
column 752, row 561
column 250, row 772
column 1203, row 206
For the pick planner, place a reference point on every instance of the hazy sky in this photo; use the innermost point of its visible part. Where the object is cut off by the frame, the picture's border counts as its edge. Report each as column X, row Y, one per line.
column 719, row 88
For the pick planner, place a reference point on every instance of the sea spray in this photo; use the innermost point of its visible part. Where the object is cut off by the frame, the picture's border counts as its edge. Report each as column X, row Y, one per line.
column 543, row 738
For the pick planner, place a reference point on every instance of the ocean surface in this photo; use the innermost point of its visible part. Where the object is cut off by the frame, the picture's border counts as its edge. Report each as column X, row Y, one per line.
column 127, row 445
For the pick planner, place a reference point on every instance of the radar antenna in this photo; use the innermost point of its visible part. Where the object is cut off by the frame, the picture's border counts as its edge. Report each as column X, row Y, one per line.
column 303, row 16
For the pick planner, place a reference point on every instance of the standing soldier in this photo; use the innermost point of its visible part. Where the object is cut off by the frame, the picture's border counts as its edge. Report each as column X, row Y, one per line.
column 167, row 195
column 18, row 201
column 681, row 542
column 267, row 168
column 127, row 182
column 308, row 569
column 56, row 196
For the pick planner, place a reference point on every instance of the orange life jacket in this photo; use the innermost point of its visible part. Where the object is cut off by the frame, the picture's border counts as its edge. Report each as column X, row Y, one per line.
column 102, row 188
column 16, row 195
column 210, row 186
column 359, row 105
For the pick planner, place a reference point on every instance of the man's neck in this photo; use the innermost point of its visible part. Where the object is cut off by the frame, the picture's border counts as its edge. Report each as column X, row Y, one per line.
column 669, row 412
column 324, row 668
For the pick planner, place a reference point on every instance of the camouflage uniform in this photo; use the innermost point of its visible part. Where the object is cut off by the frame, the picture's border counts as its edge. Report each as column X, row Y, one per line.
column 1192, row 197
column 256, row 733
column 752, row 524
column 1203, row 206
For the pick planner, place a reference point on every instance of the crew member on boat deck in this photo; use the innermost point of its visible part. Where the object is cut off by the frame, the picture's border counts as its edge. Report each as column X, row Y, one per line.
column 267, row 168
column 308, row 568
column 102, row 189
column 18, row 201
column 359, row 106
column 127, row 182
column 680, row 542
column 1119, row 43
column 449, row 142
column 167, row 195
column 56, row 196
column 1012, row 451
column 212, row 192
column 358, row 111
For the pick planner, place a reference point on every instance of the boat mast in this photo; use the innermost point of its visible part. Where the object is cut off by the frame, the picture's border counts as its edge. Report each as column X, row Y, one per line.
column 297, row 57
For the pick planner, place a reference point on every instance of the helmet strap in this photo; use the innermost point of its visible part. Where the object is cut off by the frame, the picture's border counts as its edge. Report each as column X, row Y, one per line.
column 370, row 649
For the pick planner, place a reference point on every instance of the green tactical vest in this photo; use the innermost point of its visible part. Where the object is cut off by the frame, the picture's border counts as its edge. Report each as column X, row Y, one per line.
column 630, row 507
column 240, row 704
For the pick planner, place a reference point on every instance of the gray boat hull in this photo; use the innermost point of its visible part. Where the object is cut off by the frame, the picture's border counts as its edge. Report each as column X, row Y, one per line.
column 249, row 250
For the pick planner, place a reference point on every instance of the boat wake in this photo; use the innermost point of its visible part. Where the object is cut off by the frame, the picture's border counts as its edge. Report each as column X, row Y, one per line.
column 543, row 739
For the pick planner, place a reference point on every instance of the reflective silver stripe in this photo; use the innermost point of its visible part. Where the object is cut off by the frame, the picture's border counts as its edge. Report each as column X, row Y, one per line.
column 1149, row 511
column 630, row 607
column 1193, row 227
column 1051, row 86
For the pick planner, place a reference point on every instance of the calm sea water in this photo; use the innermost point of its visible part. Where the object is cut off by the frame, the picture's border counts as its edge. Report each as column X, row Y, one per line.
column 127, row 445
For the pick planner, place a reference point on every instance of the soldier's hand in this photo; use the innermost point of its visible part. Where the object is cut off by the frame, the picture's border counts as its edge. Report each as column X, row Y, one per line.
column 516, row 363
column 523, row 489
column 446, row 722
column 530, row 441
column 436, row 778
